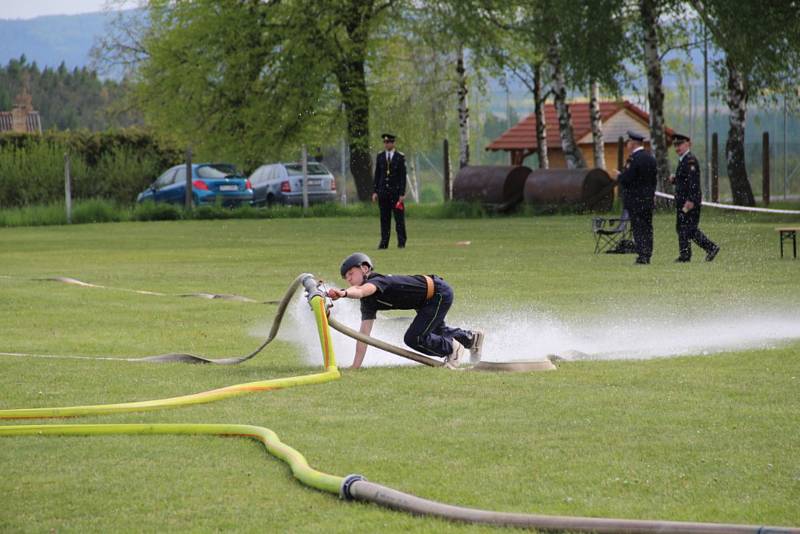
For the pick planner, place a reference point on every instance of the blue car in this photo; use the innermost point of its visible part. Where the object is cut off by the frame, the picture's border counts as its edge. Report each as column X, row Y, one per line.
column 211, row 183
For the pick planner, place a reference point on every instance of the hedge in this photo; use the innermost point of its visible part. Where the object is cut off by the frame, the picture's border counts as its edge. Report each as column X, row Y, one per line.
column 112, row 165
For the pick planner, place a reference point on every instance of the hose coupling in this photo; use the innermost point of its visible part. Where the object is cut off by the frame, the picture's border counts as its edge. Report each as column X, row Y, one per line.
column 347, row 483
column 311, row 286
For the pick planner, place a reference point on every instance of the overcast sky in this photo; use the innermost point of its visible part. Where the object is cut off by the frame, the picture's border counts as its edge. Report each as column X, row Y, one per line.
column 28, row 9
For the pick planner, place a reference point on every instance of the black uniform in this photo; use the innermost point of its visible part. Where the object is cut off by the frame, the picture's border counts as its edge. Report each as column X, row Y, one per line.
column 687, row 187
column 428, row 333
column 638, row 181
column 390, row 184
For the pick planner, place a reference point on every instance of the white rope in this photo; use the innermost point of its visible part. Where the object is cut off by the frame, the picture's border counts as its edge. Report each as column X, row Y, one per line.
column 732, row 207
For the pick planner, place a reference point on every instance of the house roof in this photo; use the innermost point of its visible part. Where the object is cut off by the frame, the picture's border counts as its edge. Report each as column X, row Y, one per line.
column 617, row 117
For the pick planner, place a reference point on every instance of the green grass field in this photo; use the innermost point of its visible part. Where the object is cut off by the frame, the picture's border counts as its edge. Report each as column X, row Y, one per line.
column 694, row 437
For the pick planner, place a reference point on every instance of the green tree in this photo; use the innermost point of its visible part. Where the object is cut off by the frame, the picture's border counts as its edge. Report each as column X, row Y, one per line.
column 250, row 79
column 66, row 99
column 535, row 40
column 761, row 42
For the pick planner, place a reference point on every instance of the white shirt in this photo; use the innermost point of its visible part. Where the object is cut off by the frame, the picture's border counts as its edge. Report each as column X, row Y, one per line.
column 389, row 155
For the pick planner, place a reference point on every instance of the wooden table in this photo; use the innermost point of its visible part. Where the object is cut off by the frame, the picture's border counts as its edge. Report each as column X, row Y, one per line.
column 786, row 234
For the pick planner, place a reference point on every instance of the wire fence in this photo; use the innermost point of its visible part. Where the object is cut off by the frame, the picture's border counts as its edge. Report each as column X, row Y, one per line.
column 784, row 169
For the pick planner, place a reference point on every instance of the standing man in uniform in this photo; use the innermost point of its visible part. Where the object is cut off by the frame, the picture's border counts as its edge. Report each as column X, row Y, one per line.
column 688, row 199
column 429, row 295
column 638, row 179
column 390, row 191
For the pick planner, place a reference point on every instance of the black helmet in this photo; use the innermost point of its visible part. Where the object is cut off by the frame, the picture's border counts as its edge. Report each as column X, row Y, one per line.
column 355, row 259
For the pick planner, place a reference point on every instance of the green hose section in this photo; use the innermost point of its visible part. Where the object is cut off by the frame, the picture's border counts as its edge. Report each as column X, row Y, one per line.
column 329, row 359
column 297, row 462
column 173, row 402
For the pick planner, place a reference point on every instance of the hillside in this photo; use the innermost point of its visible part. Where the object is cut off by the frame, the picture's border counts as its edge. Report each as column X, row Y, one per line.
column 52, row 39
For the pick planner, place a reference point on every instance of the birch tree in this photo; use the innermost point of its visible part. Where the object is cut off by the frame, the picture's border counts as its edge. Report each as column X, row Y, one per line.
column 761, row 42
column 450, row 26
column 519, row 49
column 601, row 25
column 597, row 126
column 463, row 110
column 572, row 153
column 649, row 11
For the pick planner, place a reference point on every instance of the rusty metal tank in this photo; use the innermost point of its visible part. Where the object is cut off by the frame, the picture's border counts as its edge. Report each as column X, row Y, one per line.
column 496, row 186
column 582, row 189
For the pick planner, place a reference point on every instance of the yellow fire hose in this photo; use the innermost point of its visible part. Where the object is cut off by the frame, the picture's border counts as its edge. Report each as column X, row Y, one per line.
column 316, row 300
column 300, row 468
column 352, row 487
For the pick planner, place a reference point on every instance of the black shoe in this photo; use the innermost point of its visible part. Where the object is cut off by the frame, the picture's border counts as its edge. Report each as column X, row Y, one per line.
column 401, row 246
column 682, row 259
column 475, row 346
column 383, row 245
column 642, row 261
column 712, row 253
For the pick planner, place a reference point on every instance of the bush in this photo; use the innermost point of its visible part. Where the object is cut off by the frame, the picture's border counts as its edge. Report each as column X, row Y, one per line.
column 151, row 211
column 41, row 215
column 121, row 173
column 98, row 211
column 113, row 165
column 33, row 174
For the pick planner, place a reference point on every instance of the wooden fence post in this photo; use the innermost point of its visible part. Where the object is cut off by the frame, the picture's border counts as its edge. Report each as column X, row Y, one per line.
column 67, row 188
column 446, row 175
column 188, row 195
column 714, row 167
column 304, row 155
column 765, row 168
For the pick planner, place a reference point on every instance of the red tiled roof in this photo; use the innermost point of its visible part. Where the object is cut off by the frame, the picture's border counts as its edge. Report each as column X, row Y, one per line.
column 522, row 136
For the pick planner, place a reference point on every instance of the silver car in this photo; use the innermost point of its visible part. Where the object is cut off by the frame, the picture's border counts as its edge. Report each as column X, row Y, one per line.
column 282, row 183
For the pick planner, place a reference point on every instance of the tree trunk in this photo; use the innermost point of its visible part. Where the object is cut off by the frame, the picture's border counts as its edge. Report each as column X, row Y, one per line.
column 353, row 88
column 597, row 126
column 463, row 111
column 655, row 92
column 541, row 125
column 734, row 147
column 352, row 81
column 572, row 153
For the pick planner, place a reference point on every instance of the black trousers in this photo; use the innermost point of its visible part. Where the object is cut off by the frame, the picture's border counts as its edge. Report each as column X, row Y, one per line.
column 642, row 227
column 387, row 203
column 686, row 224
column 428, row 333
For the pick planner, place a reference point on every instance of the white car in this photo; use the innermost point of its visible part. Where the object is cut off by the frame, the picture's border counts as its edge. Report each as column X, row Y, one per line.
column 282, row 183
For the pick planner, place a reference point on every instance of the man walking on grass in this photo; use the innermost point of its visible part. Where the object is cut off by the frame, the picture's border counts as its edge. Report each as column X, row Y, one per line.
column 688, row 199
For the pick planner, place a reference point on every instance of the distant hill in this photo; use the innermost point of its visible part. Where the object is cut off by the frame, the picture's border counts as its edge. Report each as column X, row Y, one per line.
column 52, row 39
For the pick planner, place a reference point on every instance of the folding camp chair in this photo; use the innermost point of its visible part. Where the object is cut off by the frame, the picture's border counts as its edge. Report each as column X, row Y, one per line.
column 612, row 234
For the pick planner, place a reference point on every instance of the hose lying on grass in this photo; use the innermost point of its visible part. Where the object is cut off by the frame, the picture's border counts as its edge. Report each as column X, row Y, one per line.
column 316, row 300
column 276, row 323
column 355, row 487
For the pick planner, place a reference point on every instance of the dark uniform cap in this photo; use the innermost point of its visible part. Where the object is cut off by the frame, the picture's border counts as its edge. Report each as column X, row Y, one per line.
column 633, row 136
column 679, row 138
column 388, row 137
column 355, row 259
